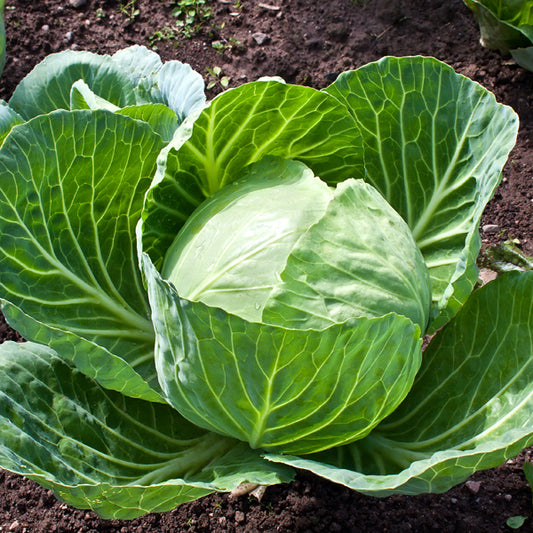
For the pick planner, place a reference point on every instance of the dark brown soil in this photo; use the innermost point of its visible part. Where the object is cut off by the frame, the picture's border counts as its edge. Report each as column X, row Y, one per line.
column 307, row 42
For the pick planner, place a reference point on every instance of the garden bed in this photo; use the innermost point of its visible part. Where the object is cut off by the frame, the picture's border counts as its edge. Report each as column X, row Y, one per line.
column 305, row 42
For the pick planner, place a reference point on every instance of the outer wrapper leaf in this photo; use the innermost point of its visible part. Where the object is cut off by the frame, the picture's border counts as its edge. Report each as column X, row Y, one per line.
column 98, row 449
column 81, row 97
column 71, row 190
column 47, row 87
column 161, row 118
column 358, row 260
column 240, row 127
column 137, row 62
column 434, row 144
column 8, row 119
column 470, row 408
column 177, row 86
column 293, row 390
column 133, row 76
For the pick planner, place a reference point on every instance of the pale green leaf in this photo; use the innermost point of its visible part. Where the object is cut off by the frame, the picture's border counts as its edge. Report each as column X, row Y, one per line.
column 434, row 144
column 71, row 190
column 280, row 246
column 8, row 119
column 131, row 76
column 232, row 250
column 358, row 260
column 240, row 127
column 137, row 62
column 47, row 87
column 162, row 119
column 296, row 391
column 97, row 449
column 470, row 408
column 175, row 85
column 81, row 97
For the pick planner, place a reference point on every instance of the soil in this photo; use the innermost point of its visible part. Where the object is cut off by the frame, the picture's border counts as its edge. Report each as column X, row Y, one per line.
column 306, row 42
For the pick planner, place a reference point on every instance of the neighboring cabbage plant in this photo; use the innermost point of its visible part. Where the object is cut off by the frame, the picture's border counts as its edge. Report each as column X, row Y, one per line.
column 506, row 25
column 215, row 299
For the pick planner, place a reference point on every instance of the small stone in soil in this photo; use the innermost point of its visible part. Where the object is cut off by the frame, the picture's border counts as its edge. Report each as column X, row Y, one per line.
column 260, row 38
column 313, row 43
column 491, row 228
column 473, row 486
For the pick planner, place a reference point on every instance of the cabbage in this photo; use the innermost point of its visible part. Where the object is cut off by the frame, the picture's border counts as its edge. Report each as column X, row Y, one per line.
column 219, row 293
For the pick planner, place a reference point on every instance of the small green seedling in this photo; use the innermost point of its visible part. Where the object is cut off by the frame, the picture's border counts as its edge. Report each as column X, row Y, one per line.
column 516, row 522
column 129, row 9
column 191, row 15
column 164, row 34
column 217, row 78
